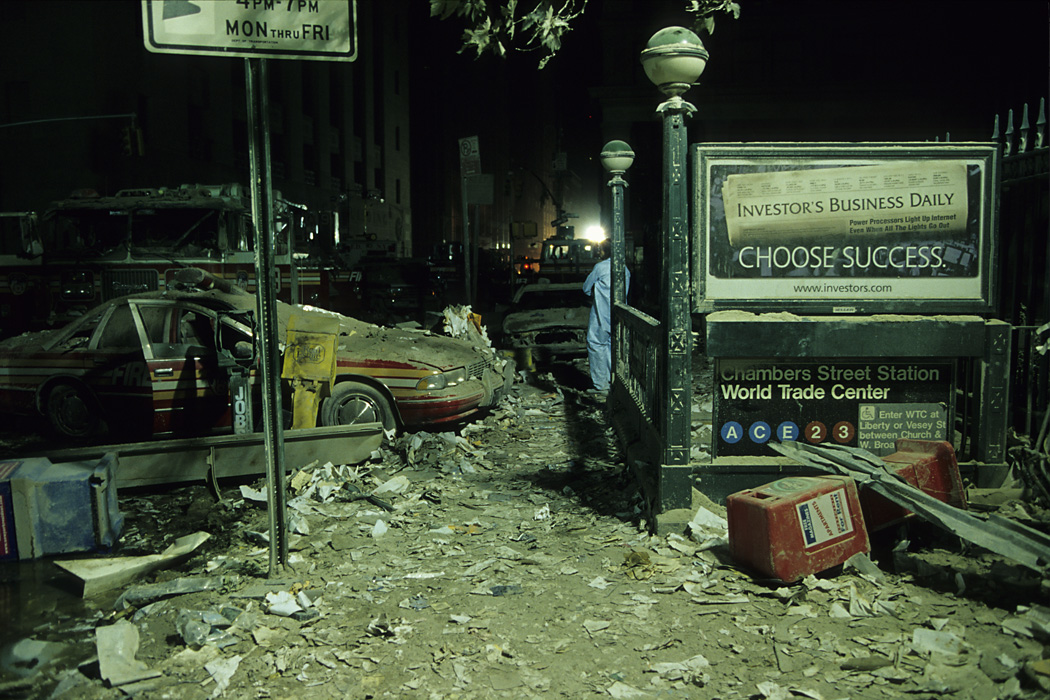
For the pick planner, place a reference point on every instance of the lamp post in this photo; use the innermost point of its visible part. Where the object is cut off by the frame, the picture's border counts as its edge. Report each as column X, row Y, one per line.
column 673, row 60
column 617, row 157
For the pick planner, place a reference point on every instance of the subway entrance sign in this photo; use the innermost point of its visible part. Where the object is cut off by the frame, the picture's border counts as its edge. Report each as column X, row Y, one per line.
column 318, row 30
column 866, row 403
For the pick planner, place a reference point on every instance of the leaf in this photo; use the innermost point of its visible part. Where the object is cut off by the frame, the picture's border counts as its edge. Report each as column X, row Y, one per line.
column 476, row 8
column 509, row 10
column 497, row 27
column 479, row 38
column 533, row 18
column 444, row 8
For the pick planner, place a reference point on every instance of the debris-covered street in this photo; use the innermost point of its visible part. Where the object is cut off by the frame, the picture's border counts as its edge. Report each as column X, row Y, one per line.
column 765, row 409
column 511, row 559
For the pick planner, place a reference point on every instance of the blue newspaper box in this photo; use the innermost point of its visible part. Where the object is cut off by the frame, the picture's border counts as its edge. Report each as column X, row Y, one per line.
column 50, row 508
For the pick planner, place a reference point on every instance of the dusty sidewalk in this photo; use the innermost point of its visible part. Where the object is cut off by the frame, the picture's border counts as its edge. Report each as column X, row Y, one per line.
column 513, row 563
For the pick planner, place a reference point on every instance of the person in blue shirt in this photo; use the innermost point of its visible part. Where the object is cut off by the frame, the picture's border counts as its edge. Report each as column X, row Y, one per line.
column 598, row 286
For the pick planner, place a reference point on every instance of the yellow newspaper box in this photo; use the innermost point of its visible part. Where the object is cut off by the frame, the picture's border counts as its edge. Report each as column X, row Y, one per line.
column 309, row 364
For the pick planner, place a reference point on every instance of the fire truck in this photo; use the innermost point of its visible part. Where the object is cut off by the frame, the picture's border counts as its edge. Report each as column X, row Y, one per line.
column 87, row 249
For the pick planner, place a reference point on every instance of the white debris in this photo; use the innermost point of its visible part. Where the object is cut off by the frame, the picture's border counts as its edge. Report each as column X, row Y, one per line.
column 117, row 646
column 379, row 529
column 282, row 604
column 395, row 485
column 250, row 494
column 708, row 529
column 622, row 691
column 691, row 670
column 222, row 671
column 927, row 641
column 593, row 626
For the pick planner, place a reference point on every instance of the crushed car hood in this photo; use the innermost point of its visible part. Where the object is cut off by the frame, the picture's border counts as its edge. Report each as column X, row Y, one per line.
column 524, row 321
column 392, row 344
column 356, row 338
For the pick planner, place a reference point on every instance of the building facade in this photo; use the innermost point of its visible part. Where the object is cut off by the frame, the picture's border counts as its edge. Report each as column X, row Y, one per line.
column 85, row 106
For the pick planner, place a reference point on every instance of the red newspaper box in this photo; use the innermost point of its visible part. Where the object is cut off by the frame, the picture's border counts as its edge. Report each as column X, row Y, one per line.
column 928, row 465
column 796, row 526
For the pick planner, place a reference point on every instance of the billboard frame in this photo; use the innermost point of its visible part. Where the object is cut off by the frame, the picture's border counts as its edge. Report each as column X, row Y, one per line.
column 923, row 293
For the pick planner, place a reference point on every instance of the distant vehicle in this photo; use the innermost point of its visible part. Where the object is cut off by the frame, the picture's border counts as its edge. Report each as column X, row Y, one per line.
column 161, row 364
column 87, row 249
column 565, row 259
column 447, row 273
column 393, row 289
column 548, row 319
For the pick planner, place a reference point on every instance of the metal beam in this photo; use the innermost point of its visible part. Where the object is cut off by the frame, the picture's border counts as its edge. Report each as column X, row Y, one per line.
column 1016, row 541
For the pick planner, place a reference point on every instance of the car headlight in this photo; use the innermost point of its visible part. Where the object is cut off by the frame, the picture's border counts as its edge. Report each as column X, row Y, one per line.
column 442, row 380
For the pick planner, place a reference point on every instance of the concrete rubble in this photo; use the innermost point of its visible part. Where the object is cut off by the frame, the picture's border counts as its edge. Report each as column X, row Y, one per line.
column 510, row 559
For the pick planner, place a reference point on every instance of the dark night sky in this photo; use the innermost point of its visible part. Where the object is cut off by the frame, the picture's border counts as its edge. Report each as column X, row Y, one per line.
column 784, row 71
column 948, row 65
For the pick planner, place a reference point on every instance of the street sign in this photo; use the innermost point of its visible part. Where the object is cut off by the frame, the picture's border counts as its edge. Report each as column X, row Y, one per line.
column 317, row 30
column 855, row 402
column 469, row 156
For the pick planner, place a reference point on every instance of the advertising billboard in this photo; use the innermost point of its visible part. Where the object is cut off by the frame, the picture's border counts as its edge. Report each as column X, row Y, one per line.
column 845, row 228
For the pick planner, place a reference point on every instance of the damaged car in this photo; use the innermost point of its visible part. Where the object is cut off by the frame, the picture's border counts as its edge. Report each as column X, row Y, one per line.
column 550, row 320
column 161, row 365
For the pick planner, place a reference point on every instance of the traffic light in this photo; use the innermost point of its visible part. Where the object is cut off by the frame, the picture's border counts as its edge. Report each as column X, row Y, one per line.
column 132, row 142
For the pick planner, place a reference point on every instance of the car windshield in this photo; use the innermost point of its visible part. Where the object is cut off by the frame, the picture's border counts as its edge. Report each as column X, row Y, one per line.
column 88, row 233
column 539, row 298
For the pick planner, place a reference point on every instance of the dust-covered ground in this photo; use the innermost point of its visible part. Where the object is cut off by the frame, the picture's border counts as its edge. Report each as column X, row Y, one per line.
column 511, row 559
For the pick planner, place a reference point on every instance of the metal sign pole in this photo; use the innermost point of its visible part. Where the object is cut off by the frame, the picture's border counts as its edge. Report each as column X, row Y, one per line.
column 322, row 30
column 475, row 244
column 256, row 76
column 468, row 267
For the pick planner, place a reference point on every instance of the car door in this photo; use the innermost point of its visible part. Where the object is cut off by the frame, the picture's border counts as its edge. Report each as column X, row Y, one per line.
column 190, row 390
column 114, row 366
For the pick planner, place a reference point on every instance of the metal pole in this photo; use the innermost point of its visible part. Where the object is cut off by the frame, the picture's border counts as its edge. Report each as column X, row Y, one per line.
column 675, row 483
column 293, row 266
column 619, row 247
column 474, row 259
column 468, row 267
column 262, row 215
column 619, row 255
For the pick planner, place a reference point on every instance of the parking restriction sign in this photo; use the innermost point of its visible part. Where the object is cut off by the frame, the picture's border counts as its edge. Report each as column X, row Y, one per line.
column 318, row 30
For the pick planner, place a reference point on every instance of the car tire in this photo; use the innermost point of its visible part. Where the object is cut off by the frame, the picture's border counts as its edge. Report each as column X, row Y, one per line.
column 352, row 403
column 73, row 412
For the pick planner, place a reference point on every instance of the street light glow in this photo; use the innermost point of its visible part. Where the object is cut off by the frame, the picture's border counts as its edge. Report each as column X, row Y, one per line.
column 594, row 233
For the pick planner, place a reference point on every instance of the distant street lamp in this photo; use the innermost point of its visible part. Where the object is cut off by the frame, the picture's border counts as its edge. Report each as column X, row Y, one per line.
column 673, row 59
column 617, row 157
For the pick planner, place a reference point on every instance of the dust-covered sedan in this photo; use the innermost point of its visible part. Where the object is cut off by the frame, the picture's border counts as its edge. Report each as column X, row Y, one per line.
column 181, row 362
column 549, row 320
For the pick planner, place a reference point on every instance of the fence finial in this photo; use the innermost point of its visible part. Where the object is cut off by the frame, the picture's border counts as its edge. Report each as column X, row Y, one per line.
column 1008, row 142
column 1040, row 125
column 1022, row 143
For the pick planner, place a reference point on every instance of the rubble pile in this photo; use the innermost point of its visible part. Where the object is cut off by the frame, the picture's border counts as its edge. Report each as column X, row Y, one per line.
column 508, row 559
